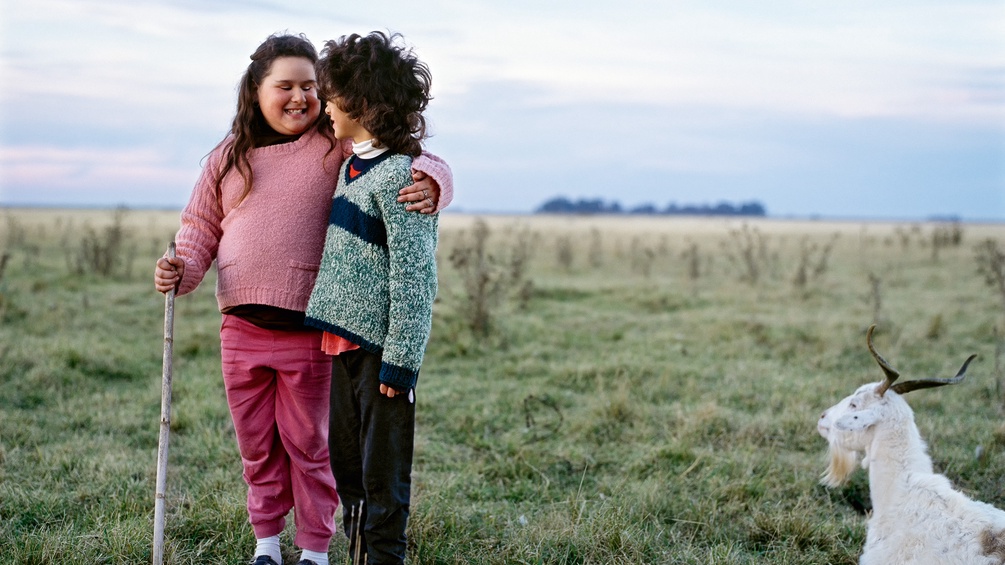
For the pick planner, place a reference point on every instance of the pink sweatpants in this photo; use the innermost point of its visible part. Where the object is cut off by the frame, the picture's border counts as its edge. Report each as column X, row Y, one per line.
column 278, row 383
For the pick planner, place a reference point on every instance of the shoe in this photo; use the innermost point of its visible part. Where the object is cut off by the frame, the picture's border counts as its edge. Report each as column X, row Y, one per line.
column 264, row 560
column 306, row 562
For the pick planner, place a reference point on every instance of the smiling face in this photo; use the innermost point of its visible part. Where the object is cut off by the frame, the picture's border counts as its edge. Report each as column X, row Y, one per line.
column 288, row 96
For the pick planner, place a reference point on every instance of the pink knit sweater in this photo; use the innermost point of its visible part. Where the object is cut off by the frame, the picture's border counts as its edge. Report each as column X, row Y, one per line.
column 268, row 248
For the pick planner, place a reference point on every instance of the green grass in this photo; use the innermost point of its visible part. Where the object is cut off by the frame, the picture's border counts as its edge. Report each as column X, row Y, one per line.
column 623, row 414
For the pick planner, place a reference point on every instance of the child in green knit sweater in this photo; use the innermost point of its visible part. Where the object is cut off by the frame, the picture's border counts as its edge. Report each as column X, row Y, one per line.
column 375, row 289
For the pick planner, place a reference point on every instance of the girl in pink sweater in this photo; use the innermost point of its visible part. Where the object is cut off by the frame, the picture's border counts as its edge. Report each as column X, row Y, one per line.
column 260, row 209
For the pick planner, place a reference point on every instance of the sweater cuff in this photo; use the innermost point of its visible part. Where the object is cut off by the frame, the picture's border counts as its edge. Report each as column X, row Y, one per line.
column 190, row 280
column 440, row 172
column 398, row 378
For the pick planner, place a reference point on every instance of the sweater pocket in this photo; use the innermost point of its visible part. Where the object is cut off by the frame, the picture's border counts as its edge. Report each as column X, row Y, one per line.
column 228, row 275
column 301, row 276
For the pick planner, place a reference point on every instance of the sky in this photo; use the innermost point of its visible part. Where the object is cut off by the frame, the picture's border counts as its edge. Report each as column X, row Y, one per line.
column 852, row 109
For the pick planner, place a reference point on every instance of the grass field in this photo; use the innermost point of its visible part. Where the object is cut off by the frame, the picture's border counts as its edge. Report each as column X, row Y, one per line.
column 596, row 390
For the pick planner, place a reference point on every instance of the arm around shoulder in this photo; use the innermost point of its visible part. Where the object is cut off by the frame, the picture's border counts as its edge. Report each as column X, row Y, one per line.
column 412, row 284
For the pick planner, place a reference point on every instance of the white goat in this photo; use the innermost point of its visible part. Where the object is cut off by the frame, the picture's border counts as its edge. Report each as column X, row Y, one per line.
column 917, row 517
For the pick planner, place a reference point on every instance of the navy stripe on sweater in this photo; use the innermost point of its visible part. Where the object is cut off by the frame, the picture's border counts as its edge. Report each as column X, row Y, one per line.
column 345, row 334
column 354, row 220
column 394, row 375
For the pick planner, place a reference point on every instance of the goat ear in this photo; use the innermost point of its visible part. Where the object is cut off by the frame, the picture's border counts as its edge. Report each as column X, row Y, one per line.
column 857, row 421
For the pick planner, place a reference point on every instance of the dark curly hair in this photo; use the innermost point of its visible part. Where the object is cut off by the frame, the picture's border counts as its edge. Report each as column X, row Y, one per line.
column 249, row 126
column 381, row 85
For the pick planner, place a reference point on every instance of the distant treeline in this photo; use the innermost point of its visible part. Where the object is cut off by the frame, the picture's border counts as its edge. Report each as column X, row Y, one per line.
column 563, row 205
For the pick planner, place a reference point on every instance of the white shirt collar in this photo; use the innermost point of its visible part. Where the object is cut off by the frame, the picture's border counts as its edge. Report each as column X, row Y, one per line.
column 366, row 149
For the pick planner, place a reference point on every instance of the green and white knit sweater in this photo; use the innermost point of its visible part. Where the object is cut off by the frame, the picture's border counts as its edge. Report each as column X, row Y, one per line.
column 377, row 279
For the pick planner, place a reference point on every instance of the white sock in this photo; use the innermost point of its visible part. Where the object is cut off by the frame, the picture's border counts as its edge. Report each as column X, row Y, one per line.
column 269, row 546
column 315, row 556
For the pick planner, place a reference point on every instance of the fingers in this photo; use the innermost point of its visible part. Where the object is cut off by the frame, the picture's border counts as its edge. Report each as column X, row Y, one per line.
column 422, row 195
column 164, row 284
column 169, row 268
column 165, row 276
column 425, row 206
column 411, row 193
column 416, row 191
column 430, row 189
column 387, row 391
column 170, row 263
column 168, row 273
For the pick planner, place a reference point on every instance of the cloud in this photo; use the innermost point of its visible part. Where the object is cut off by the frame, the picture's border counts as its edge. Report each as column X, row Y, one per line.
column 81, row 167
column 723, row 98
column 29, row 172
column 851, row 61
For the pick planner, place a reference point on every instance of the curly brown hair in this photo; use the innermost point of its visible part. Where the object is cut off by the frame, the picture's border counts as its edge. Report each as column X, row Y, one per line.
column 249, row 127
column 380, row 84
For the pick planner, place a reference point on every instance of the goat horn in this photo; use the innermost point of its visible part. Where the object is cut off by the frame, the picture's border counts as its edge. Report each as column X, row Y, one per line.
column 891, row 373
column 908, row 386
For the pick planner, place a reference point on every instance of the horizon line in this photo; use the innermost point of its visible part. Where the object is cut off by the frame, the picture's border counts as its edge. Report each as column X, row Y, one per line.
column 950, row 218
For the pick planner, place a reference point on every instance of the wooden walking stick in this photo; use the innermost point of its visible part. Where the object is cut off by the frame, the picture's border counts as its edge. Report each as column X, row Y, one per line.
column 165, row 431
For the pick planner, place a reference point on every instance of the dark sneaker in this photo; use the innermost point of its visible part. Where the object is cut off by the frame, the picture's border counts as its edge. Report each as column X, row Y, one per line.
column 306, row 562
column 264, row 560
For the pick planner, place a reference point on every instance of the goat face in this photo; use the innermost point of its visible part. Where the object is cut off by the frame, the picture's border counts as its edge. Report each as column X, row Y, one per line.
column 853, row 413
column 848, row 427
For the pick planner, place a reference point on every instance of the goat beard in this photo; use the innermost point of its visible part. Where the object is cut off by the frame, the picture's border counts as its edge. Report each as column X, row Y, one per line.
column 843, row 462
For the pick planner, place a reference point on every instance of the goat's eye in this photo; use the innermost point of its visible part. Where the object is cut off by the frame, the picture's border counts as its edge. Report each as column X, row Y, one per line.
column 852, row 405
